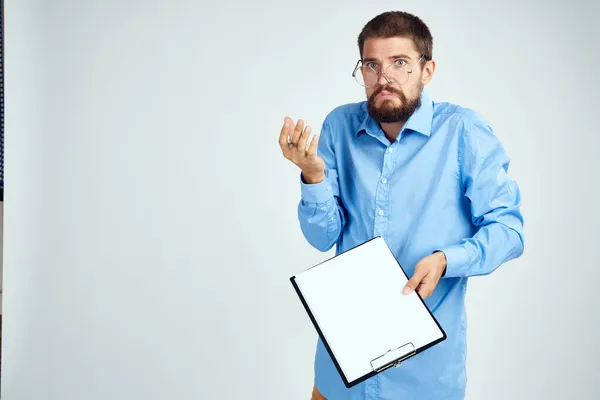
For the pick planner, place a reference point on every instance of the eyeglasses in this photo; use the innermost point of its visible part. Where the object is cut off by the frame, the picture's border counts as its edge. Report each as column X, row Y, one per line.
column 368, row 76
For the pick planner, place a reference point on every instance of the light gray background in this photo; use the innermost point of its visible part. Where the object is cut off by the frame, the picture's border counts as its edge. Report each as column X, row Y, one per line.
column 151, row 223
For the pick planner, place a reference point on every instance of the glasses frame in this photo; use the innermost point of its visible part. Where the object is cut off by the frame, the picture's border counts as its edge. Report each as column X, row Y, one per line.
column 382, row 72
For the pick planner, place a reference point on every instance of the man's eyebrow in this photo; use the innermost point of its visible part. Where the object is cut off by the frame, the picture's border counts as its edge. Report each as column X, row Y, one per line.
column 369, row 59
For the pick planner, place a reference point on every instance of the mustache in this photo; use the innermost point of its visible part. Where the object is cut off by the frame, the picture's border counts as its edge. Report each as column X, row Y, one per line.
column 387, row 89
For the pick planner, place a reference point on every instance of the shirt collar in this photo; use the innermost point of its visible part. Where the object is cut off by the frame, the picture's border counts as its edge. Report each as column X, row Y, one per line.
column 420, row 121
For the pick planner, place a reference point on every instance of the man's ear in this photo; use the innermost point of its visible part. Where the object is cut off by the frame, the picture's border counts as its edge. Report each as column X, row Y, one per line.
column 428, row 71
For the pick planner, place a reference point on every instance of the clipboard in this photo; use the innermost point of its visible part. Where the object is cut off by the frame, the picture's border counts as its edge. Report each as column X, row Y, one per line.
column 355, row 302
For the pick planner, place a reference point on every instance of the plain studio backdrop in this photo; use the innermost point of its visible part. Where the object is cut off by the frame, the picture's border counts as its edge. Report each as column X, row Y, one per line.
column 151, row 224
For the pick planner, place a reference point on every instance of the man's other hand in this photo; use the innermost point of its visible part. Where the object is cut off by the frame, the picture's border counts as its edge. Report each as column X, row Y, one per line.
column 427, row 274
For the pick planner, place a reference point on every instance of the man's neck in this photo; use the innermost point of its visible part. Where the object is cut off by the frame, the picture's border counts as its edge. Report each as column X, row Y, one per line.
column 392, row 130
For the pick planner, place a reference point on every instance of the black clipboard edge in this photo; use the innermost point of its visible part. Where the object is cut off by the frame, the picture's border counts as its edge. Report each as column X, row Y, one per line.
column 328, row 348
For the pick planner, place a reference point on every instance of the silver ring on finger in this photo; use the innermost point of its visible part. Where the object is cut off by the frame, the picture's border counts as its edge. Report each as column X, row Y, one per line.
column 291, row 145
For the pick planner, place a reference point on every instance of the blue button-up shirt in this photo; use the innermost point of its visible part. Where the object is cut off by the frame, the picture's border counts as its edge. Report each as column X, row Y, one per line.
column 441, row 185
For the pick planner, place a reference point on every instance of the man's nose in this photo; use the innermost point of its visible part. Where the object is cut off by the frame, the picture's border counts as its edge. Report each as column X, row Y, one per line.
column 383, row 79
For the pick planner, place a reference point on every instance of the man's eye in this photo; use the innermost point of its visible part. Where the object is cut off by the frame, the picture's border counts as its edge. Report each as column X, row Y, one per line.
column 372, row 65
column 400, row 63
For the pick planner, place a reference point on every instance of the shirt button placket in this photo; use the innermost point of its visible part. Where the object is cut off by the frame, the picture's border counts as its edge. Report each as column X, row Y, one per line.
column 381, row 195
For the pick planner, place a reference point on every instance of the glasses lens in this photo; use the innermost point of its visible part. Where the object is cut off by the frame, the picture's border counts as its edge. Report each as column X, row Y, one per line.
column 397, row 73
column 368, row 77
column 359, row 77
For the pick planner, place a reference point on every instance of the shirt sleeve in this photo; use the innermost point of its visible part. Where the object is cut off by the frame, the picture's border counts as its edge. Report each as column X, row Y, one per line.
column 495, row 202
column 320, row 211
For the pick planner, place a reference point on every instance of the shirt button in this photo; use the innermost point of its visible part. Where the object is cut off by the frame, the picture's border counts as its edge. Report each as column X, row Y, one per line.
column 383, row 180
column 380, row 212
column 329, row 188
column 390, row 150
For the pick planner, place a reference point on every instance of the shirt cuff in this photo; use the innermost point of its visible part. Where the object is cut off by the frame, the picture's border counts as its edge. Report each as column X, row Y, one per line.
column 316, row 192
column 457, row 261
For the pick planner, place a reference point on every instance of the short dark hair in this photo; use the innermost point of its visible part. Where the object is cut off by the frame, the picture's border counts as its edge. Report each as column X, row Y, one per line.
column 401, row 24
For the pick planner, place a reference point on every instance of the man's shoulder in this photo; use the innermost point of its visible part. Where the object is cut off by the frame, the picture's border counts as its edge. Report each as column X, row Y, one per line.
column 448, row 112
column 465, row 122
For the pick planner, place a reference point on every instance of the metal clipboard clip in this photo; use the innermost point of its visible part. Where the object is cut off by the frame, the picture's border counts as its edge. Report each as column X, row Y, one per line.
column 393, row 357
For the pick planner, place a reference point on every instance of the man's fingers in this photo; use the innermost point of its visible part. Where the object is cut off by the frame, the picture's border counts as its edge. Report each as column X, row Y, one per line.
column 285, row 133
column 314, row 145
column 298, row 131
column 425, row 288
column 303, row 140
column 416, row 279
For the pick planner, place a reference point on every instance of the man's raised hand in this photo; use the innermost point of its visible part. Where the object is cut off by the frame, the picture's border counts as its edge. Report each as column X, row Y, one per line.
column 296, row 150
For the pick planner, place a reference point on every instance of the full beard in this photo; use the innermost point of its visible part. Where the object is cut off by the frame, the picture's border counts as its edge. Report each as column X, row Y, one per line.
column 387, row 112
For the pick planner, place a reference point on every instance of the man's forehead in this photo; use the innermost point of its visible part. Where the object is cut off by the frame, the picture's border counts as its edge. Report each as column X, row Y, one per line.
column 389, row 47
